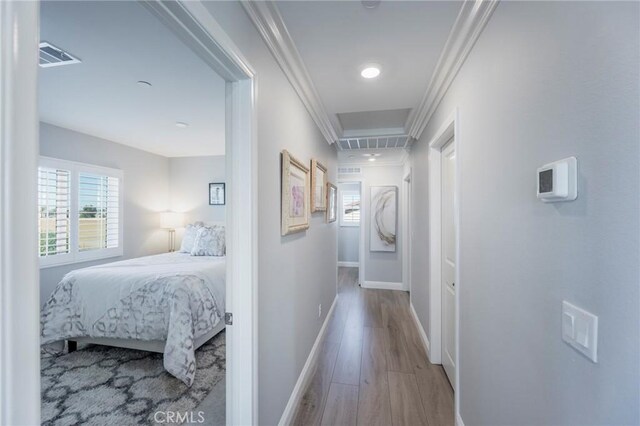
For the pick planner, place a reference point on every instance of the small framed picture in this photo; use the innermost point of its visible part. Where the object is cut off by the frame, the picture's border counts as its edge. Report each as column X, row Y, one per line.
column 295, row 195
column 318, row 187
column 332, row 202
column 216, row 194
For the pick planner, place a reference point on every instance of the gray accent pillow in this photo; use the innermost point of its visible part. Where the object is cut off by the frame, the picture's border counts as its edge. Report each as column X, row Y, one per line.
column 209, row 241
column 189, row 237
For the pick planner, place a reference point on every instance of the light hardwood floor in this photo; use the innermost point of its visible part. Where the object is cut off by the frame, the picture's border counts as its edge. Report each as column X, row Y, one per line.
column 372, row 368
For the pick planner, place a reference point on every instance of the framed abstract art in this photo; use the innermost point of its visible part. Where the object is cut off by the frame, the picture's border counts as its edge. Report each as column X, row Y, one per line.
column 318, row 187
column 295, row 198
column 383, row 220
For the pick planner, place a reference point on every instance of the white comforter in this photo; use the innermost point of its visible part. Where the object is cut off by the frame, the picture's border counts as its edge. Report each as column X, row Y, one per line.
column 174, row 297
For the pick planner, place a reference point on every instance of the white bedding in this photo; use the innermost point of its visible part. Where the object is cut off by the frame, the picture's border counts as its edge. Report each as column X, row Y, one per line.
column 174, row 297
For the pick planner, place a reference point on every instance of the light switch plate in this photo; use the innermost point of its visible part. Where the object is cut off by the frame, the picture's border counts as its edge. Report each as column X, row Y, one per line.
column 580, row 330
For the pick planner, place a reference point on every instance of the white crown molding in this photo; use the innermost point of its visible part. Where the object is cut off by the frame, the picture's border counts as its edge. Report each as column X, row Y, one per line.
column 269, row 22
column 471, row 20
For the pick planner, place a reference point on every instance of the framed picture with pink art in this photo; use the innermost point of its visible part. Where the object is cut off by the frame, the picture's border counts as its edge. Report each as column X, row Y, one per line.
column 295, row 195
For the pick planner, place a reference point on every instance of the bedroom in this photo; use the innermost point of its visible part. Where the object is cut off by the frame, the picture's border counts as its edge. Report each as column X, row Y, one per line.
column 132, row 209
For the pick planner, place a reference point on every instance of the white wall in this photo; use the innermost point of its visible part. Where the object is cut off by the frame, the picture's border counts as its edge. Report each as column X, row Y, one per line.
column 546, row 80
column 145, row 187
column 296, row 272
column 348, row 236
column 189, row 179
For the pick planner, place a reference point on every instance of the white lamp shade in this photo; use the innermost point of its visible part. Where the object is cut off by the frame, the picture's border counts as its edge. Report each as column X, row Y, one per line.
column 171, row 220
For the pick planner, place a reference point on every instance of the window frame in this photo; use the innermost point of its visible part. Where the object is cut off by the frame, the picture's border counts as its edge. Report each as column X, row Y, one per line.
column 75, row 255
column 344, row 223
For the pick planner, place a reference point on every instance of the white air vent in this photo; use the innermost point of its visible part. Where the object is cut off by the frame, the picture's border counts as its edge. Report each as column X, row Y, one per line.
column 349, row 170
column 52, row 56
column 382, row 142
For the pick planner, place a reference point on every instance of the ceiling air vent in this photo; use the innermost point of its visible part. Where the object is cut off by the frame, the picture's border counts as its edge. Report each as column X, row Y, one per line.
column 52, row 56
column 349, row 170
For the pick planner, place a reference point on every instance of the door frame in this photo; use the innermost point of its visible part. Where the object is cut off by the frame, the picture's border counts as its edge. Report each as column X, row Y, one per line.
column 19, row 334
column 19, row 268
column 361, row 264
column 447, row 131
column 407, row 239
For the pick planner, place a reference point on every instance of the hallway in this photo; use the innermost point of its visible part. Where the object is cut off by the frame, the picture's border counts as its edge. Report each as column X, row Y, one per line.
column 372, row 368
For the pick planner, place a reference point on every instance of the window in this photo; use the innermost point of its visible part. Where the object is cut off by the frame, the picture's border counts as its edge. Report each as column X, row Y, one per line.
column 79, row 209
column 350, row 209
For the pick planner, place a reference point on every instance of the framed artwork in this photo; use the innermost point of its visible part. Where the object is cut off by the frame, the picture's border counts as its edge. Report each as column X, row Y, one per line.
column 295, row 198
column 384, row 218
column 318, row 187
column 216, row 194
column 332, row 202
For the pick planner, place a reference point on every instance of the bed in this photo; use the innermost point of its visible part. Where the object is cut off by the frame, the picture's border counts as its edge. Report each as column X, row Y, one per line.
column 171, row 303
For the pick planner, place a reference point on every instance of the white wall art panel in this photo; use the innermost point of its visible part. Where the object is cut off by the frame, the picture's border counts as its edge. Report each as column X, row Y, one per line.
column 384, row 207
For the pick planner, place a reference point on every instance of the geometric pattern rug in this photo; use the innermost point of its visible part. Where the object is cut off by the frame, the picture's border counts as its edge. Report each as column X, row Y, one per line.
column 101, row 385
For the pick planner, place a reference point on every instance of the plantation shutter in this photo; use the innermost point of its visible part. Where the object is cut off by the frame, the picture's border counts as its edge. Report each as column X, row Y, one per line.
column 351, row 208
column 53, row 208
column 98, row 212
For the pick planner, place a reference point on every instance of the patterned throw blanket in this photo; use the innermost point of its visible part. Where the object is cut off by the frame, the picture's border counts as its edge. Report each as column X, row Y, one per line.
column 173, row 297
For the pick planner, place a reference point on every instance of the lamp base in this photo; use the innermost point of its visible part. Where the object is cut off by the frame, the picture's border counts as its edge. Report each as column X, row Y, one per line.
column 172, row 240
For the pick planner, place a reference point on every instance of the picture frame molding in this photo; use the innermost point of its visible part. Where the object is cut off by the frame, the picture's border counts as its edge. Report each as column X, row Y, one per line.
column 285, row 197
column 315, row 164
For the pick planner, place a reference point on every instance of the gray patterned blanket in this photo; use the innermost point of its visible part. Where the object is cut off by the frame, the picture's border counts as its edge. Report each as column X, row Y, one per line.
column 173, row 297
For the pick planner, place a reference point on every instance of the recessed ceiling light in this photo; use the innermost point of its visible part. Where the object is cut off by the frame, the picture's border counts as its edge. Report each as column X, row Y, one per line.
column 181, row 124
column 372, row 155
column 143, row 83
column 372, row 159
column 370, row 4
column 370, row 71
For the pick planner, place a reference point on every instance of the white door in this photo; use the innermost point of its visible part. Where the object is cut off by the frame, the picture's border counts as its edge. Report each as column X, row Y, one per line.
column 448, row 262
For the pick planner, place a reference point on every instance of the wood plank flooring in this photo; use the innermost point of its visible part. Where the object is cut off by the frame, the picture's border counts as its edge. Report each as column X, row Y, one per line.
column 373, row 369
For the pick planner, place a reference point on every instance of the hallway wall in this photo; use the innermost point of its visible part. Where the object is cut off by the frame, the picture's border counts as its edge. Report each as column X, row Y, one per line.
column 546, row 80
column 297, row 272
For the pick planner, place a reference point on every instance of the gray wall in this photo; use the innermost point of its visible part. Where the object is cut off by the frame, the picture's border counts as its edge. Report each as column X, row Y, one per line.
column 297, row 272
column 546, row 80
column 189, row 179
column 145, row 186
column 382, row 266
column 348, row 236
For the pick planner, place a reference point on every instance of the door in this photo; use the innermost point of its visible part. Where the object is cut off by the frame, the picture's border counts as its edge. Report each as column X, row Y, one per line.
column 448, row 261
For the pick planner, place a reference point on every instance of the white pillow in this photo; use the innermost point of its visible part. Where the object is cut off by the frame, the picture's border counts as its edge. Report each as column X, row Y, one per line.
column 189, row 237
column 209, row 241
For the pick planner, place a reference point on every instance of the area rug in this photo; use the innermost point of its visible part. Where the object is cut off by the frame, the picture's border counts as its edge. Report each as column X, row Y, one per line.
column 101, row 385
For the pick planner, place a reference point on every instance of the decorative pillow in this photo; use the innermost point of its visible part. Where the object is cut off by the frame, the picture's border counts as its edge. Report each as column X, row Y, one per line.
column 209, row 241
column 189, row 237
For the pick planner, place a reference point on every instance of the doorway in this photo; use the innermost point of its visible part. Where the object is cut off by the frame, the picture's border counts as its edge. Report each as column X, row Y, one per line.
column 350, row 235
column 448, row 251
column 19, row 394
column 444, row 251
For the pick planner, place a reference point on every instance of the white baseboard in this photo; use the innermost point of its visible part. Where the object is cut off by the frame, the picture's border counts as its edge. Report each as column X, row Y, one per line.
column 305, row 376
column 382, row 285
column 459, row 420
column 423, row 335
column 349, row 264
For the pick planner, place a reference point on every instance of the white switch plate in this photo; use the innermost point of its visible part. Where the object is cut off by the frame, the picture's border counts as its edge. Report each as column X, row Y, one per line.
column 580, row 330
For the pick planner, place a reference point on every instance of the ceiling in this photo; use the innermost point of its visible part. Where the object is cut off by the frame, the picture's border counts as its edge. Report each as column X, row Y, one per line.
column 336, row 38
column 119, row 44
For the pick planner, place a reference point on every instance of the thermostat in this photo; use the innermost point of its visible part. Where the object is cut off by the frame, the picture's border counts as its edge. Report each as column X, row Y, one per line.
column 558, row 181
